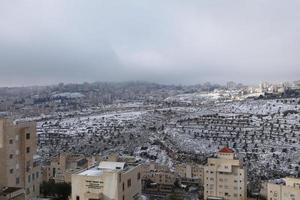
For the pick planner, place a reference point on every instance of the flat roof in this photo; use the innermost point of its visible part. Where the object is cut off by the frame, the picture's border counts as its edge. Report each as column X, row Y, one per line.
column 214, row 198
column 94, row 171
column 105, row 166
column 112, row 165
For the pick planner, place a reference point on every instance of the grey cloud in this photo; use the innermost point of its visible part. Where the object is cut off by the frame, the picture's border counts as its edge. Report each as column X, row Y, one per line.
column 43, row 42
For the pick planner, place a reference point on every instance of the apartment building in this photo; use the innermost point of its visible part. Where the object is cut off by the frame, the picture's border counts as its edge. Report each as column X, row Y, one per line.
column 107, row 181
column 225, row 178
column 190, row 173
column 19, row 166
column 61, row 167
column 157, row 178
column 284, row 189
column 264, row 189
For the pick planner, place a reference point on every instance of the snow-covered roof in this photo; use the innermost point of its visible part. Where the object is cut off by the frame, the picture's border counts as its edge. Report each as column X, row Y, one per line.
column 111, row 165
column 104, row 165
column 278, row 181
column 95, row 171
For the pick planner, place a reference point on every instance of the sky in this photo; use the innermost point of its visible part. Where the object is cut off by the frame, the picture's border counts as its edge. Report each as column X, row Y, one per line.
column 166, row 41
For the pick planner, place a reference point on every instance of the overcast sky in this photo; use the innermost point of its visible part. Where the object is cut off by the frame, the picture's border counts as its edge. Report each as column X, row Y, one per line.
column 167, row 41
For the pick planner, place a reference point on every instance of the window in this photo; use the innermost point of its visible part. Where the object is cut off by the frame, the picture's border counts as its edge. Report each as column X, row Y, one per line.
column 123, row 186
column 27, row 136
column 10, row 141
column 28, row 150
column 17, row 180
column 11, row 171
column 77, row 198
column 28, row 166
column 120, row 178
column 128, row 182
column 28, row 178
column 139, row 176
column 37, row 175
column 11, row 156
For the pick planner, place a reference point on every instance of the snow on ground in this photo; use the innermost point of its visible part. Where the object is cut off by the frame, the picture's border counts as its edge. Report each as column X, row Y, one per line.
column 187, row 142
column 264, row 132
column 262, row 107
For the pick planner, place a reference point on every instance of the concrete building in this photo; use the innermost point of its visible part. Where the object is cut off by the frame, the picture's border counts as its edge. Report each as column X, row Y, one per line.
column 107, row 181
column 190, row 173
column 157, row 178
column 19, row 166
column 284, row 189
column 264, row 189
column 12, row 193
column 224, row 177
column 62, row 166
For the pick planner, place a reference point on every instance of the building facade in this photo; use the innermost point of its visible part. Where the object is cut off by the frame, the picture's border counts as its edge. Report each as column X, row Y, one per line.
column 107, row 181
column 157, row 178
column 284, row 189
column 190, row 173
column 61, row 167
column 225, row 178
column 19, row 166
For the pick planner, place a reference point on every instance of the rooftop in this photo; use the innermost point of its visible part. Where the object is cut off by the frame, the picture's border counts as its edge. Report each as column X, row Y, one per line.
column 112, row 165
column 94, row 171
column 289, row 181
column 226, row 150
column 105, row 166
